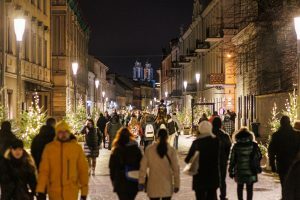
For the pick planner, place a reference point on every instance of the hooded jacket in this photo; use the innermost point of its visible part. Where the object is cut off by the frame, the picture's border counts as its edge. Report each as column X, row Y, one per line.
column 15, row 177
column 63, row 169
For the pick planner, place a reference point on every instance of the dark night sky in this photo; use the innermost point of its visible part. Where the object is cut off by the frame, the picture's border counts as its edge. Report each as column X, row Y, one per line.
column 126, row 30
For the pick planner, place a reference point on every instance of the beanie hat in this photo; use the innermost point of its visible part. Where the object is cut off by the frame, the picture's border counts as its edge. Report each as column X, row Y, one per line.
column 17, row 144
column 62, row 126
column 205, row 128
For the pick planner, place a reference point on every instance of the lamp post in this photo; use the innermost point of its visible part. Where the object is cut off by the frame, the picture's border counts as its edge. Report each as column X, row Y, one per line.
column 97, row 82
column 75, row 67
column 103, row 97
column 297, row 29
column 185, row 83
column 198, row 81
column 166, row 95
column 19, row 26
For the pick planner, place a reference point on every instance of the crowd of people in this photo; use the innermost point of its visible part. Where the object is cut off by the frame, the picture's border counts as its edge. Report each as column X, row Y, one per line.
column 144, row 158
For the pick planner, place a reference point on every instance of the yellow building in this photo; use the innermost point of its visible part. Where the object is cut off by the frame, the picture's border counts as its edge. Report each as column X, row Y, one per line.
column 34, row 54
column 70, row 36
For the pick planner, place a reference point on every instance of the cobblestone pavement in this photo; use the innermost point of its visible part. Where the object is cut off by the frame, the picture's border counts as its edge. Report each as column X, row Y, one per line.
column 268, row 187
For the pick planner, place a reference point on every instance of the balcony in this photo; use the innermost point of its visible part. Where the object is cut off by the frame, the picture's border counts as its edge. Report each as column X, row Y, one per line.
column 176, row 94
column 191, row 88
column 214, row 34
column 216, row 79
column 183, row 60
column 202, row 47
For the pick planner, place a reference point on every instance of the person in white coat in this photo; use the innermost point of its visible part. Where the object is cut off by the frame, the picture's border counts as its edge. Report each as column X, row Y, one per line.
column 160, row 160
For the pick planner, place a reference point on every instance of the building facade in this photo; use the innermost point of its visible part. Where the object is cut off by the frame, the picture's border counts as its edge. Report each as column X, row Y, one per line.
column 70, row 36
column 34, row 56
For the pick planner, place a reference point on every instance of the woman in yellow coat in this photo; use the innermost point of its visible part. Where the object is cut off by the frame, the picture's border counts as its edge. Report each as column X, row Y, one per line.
column 63, row 170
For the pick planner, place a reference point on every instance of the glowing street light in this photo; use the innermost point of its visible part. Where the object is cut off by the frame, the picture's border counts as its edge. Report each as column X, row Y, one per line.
column 297, row 26
column 75, row 67
column 97, row 82
column 185, row 83
column 198, row 77
column 103, row 94
column 19, row 25
column 166, row 94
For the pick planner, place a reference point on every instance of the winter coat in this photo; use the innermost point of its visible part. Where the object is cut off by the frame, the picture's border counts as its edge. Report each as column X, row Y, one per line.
column 283, row 148
column 112, row 129
column 172, row 127
column 92, row 141
column 163, row 174
column 16, row 176
column 292, row 183
column 240, row 160
column 224, row 148
column 6, row 138
column 39, row 142
column 63, row 171
column 130, row 155
column 101, row 123
column 228, row 125
column 208, row 172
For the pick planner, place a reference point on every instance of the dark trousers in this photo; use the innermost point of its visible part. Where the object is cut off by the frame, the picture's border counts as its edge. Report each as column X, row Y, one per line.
column 176, row 142
column 164, row 198
column 282, row 177
column 240, row 189
column 126, row 196
column 223, row 187
column 147, row 143
column 208, row 194
column 104, row 140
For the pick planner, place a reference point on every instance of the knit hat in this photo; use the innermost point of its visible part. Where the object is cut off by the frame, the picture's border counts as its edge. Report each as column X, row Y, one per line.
column 205, row 128
column 62, row 126
column 17, row 144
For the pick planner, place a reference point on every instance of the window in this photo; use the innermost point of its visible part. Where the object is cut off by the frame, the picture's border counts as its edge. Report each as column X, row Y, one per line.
column 45, row 7
column 39, row 4
column 9, row 36
column 39, row 50
column 33, row 2
column 9, row 104
column 27, row 45
column 45, row 52
column 33, row 48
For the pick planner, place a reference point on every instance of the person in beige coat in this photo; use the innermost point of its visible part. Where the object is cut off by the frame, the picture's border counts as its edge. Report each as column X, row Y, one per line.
column 161, row 161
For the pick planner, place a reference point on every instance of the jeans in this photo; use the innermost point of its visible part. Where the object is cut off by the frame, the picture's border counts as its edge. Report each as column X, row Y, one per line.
column 208, row 194
column 240, row 189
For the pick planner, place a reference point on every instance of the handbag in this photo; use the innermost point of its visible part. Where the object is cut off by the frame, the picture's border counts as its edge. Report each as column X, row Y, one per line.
column 192, row 167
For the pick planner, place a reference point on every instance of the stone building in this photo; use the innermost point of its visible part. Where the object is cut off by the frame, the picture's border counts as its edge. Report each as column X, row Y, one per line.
column 70, row 36
column 35, row 57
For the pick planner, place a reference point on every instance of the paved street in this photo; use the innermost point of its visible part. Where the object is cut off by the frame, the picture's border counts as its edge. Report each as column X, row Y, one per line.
column 100, row 186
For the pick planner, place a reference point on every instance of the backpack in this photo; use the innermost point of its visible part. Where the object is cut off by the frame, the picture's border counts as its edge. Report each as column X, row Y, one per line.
column 91, row 138
column 149, row 132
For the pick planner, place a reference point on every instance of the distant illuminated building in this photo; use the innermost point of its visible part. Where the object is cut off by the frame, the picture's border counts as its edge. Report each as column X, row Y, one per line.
column 148, row 72
column 138, row 71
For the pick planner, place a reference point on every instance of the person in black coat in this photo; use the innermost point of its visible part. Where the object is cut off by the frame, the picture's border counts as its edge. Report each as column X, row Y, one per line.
column 92, row 143
column 283, row 148
column 125, row 155
column 101, row 123
column 206, row 182
column 17, row 174
column 6, row 137
column 224, row 151
column 39, row 142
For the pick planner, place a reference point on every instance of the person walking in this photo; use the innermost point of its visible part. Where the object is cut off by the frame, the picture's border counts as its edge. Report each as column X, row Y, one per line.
column 111, row 129
column 206, row 182
column 228, row 125
column 135, row 128
column 283, row 149
column 64, row 168
column 180, row 128
column 92, row 144
column 161, row 161
column 6, row 137
column 149, row 130
column 224, row 151
column 101, row 123
column 172, row 126
column 244, row 164
column 292, row 183
column 17, row 173
column 39, row 142
column 125, row 159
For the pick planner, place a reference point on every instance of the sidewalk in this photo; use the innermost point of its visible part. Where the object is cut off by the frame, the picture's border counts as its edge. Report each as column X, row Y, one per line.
column 101, row 189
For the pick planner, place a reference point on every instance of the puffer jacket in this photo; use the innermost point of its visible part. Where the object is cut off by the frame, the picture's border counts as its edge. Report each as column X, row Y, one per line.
column 15, row 177
column 241, row 159
column 63, row 171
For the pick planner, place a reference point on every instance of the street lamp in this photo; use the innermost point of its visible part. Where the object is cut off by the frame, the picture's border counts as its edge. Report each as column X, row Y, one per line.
column 19, row 26
column 297, row 29
column 166, row 94
column 185, row 83
column 75, row 67
column 97, row 82
column 198, row 81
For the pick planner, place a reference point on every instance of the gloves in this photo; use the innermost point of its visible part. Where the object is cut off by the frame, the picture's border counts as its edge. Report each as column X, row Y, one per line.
column 141, row 187
column 83, row 198
column 41, row 196
column 176, row 190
